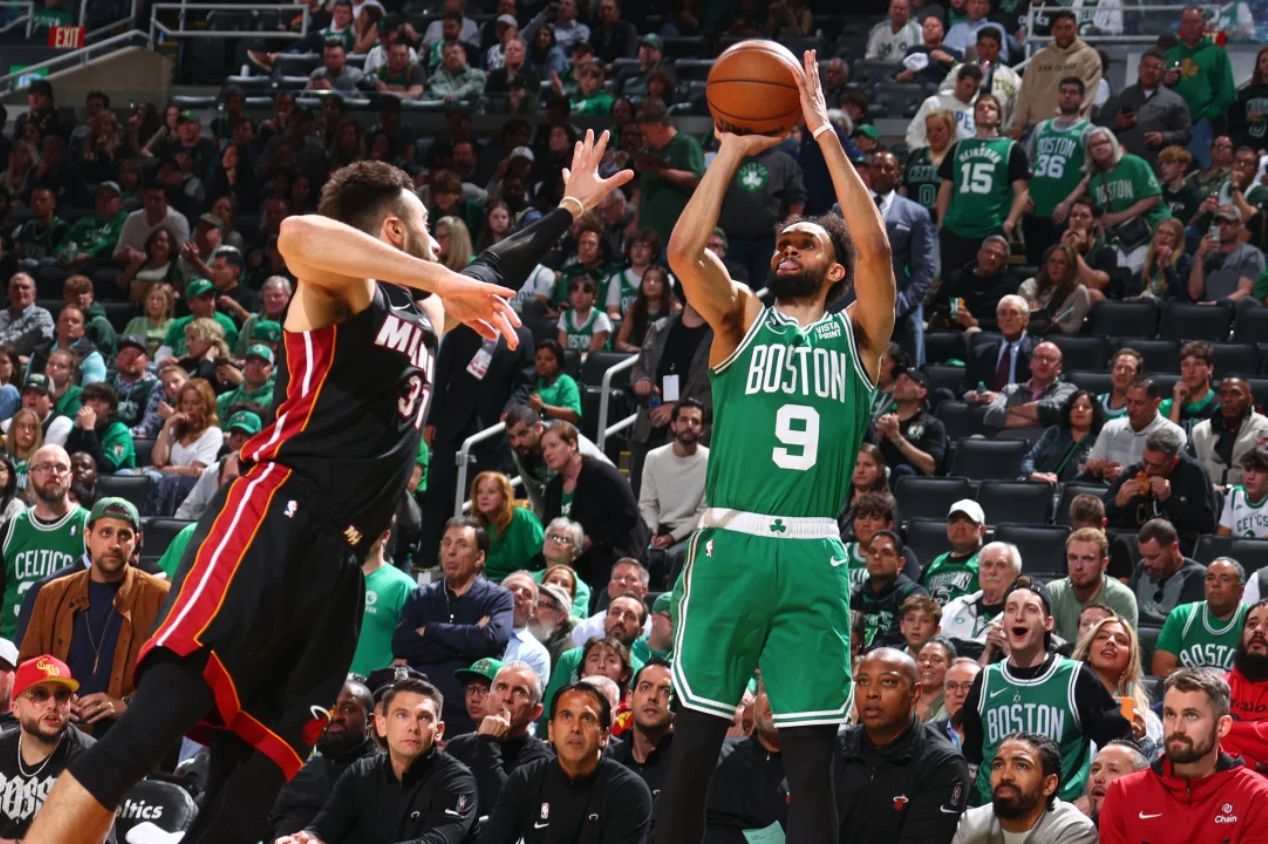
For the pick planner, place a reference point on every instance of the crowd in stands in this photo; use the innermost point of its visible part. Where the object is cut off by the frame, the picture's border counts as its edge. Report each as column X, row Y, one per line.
column 1062, row 497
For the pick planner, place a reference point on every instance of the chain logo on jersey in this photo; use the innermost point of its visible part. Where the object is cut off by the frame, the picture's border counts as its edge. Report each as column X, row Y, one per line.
column 1226, row 815
column 804, row 371
column 405, row 337
column 1038, row 718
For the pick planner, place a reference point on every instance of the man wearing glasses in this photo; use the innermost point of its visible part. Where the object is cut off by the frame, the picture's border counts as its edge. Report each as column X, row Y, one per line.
column 33, row 755
column 43, row 538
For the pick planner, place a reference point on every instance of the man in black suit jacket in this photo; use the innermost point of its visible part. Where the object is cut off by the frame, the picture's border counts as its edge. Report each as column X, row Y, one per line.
column 476, row 381
column 995, row 364
column 914, row 241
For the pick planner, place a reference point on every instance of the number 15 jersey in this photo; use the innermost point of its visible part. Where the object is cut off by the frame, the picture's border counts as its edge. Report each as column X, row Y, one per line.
column 790, row 408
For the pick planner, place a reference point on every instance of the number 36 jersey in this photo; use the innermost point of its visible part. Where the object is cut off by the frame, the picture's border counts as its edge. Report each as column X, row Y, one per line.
column 353, row 397
column 790, row 407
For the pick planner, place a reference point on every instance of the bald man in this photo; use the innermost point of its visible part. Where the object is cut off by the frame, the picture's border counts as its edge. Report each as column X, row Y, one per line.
column 896, row 779
column 1034, row 403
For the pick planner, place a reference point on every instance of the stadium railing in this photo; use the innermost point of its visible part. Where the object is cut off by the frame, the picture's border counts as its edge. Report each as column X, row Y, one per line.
column 182, row 28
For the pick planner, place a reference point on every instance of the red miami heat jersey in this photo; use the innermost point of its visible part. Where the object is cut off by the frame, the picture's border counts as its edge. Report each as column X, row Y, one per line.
column 349, row 414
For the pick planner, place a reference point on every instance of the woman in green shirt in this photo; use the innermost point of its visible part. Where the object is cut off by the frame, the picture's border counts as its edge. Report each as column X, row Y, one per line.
column 62, row 370
column 557, row 395
column 1125, row 189
column 160, row 301
column 515, row 532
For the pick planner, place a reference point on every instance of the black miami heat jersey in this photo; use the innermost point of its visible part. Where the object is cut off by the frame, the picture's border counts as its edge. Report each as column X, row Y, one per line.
column 352, row 398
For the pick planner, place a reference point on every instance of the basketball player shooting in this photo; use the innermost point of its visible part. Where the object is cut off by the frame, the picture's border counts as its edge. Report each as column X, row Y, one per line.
column 260, row 625
column 765, row 583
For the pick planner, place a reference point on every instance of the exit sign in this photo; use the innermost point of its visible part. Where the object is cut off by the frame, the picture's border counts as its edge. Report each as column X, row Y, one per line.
column 66, row 37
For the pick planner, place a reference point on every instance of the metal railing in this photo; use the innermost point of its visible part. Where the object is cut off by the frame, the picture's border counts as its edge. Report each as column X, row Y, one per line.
column 128, row 23
column 26, row 18
column 74, row 58
column 605, row 401
column 158, row 28
column 1122, row 8
column 463, row 459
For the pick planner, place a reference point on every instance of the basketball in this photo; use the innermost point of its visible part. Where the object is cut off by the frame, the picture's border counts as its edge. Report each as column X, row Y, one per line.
column 752, row 89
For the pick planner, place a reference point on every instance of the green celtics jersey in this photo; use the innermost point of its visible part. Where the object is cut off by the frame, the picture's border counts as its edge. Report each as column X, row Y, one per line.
column 581, row 333
column 1057, row 156
column 982, row 191
column 386, row 589
column 947, row 579
column 1043, row 705
column 1199, row 639
column 790, row 409
column 34, row 549
column 1131, row 180
column 857, row 565
column 921, row 179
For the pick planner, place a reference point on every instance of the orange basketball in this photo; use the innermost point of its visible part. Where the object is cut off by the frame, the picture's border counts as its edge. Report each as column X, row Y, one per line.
column 752, row 88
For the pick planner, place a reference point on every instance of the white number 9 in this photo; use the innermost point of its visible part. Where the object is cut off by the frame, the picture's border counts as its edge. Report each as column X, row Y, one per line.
column 796, row 425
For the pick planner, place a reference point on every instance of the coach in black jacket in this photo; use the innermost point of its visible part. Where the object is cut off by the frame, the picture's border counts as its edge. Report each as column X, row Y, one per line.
column 896, row 779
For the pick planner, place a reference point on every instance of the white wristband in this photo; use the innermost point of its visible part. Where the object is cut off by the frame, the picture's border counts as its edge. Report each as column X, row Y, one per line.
column 581, row 209
column 824, row 128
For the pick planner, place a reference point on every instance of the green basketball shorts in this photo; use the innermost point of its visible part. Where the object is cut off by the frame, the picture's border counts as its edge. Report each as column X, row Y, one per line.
column 771, row 593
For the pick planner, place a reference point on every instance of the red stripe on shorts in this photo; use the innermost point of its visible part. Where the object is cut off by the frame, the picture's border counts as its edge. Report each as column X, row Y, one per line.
column 250, row 730
column 310, row 356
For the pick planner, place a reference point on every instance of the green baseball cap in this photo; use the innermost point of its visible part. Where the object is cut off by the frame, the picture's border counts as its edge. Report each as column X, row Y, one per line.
column 259, row 350
column 869, row 130
column 481, row 669
column 246, row 421
column 198, row 287
column 115, row 508
column 267, row 330
column 664, row 603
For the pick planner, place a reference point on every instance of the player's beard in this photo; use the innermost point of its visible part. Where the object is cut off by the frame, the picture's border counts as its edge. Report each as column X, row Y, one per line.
column 1014, row 806
column 1189, row 751
column 339, row 745
column 416, row 246
column 1253, row 666
column 793, row 286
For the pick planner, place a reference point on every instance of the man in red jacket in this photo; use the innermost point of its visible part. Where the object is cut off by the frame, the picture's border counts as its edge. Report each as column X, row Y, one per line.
column 1248, row 688
column 1196, row 794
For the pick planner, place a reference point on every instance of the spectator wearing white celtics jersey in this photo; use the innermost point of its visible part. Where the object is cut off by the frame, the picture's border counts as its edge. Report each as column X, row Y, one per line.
column 959, row 102
column 968, row 620
column 1036, row 688
column 1223, row 442
column 1245, row 513
column 1205, row 634
column 584, row 327
column 890, row 39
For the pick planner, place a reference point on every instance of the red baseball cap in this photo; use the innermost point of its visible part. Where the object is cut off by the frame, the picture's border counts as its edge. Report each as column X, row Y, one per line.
column 43, row 669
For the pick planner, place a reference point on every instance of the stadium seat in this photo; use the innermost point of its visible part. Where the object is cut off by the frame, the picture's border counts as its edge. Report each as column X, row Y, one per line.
column 1251, row 553
column 900, row 99
column 692, row 69
column 1068, row 493
column 685, row 47
column 295, row 64
column 961, row 419
column 1235, row 359
column 166, row 805
column 869, row 73
column 1094, row 382
column 1162, row 356
column 987, row 460
column 1259, row 387
column 927, row 538
column 600, row 362
column 1124, row 319
column 572, row 363
column 1187, row 321
column 942, row 346
column 1015, row 501
column 157, row 534
column 1124, row 552
column 135, row 488
column 1042, row 548
column 945, row 376
column 1251, row 326
column 929, row 498
column 144, row 447
column 1148, row 643
column 1081, row 352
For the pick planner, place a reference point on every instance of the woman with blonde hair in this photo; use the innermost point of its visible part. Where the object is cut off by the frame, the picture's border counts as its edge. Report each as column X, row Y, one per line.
column 151, row 326
column 62, row 369
column 515, row 532
column 163, row 400
column 453, row 240
column 1165, row 274
column 1112, row 650
column 191, row 438
column 205, row 340
column 23, row 159
column 24, row 439
column 920, row 176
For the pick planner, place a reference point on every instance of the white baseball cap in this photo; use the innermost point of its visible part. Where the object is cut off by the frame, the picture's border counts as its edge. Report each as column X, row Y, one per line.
column 970, row 508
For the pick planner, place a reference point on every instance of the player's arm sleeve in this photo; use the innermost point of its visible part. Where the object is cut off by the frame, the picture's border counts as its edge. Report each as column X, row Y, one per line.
column 510, row 261
column 451, row 811
column 972, row 721
column 1102, row 718
column 502, row 827
column 935, row 808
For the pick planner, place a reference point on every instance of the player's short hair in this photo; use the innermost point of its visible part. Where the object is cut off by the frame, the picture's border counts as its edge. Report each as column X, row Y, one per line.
column 642, row 607
column 1164, row 440
column 1075, row 81
column 1049, row 757
column 992, row 33
column 517, row 413
column 481, row 535
column 1201, row 680
column 1088, row 203
column 685, row 403
column 654, row 662
column 893, row 537
column 879, row 504
column 1200, row 349
column 418, row 687
column 1256, row 458
column 1175, row 153
column 1062, row 14
column 103, row 391
column 1158, row 530
column 920, row 603
column 839, row 237
column 363, row 193
column 605, row 708
column 1138, row 760
column 1149, row 385
column 1093, row 535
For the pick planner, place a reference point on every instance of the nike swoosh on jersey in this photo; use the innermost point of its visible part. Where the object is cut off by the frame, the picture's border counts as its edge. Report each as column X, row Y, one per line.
column 540, row 825
column 947, row 811
column 836, row 564
column 997, row 693
column 1145, row 817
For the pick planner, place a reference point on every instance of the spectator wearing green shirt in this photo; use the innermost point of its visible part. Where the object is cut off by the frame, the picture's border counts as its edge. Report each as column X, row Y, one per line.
column 454, row 81
column 77, row 292
column 1192, row 399
column 515, row 532
column 386, row 588
column 591, row 97
column 584, row 327
column 556, row 395
column 1205, row 633
column 200, row 295
column 36, row 241
column 1199, row 71
column 1087, row 557
column 254, row 381
column 669, row 171
column 266, row 326
column 99, row 432
column 400, row 77
column 93, row 237
column 1125, row 189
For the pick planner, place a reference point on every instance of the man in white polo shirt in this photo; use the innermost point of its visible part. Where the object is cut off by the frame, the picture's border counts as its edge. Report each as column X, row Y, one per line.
column 1122, row 441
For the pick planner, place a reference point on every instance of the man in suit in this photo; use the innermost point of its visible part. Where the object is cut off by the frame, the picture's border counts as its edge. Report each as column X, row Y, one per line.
column 476, row 381
column 914, row 241
column 996, row 364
